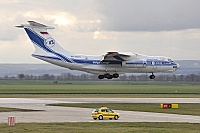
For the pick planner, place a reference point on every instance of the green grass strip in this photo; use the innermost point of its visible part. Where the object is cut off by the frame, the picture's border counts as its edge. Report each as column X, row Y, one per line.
column 99, row 95
column 101, row 127
column 59, row 89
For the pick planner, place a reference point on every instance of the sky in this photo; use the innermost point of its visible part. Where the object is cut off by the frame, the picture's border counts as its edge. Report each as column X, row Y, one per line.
column 155, row 27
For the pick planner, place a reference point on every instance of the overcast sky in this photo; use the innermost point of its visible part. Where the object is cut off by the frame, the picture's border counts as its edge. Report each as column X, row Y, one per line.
column 152, row 27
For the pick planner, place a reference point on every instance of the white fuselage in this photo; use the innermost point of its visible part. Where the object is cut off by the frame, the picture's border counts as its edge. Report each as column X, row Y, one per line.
column 140, row 64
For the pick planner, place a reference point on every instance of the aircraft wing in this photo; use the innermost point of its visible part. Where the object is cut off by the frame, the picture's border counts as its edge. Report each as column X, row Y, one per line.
column 116, row 56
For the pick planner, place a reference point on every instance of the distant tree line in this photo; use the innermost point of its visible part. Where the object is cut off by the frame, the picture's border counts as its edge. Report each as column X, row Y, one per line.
column 124, row 77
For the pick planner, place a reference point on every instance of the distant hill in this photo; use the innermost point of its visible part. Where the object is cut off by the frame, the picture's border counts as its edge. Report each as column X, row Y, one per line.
column 187, row 67
column 34, row 69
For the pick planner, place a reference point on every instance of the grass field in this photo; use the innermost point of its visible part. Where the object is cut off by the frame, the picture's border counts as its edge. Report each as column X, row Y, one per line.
column 99, row 95
column 186, row 109
column 40, row 88
column 100, row 82
column 104, row 87
column 108, row 127
column 6, row 89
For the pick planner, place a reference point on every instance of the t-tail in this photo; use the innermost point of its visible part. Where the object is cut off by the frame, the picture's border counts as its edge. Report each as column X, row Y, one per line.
column 46, row 48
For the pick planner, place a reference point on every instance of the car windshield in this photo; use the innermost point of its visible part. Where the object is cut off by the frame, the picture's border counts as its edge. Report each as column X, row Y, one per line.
column 109, row 110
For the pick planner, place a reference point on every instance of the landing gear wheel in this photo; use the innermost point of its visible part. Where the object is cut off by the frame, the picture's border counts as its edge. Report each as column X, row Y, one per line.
column 116, row 75
column 101, row 76
column 108, row 76
column 152, row 76
column 110, row 118
column 94, row 118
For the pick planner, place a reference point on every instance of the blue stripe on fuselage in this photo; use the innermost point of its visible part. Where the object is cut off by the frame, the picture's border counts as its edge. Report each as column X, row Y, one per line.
column 95, row 62
column 48, row 57
column 160, row 63
column 149, row 63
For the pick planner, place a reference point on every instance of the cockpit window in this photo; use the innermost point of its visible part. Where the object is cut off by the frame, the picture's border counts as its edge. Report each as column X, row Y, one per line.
column 170, row 60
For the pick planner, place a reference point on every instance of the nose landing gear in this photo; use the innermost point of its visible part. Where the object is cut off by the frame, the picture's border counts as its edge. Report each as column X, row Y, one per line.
column 152, row 76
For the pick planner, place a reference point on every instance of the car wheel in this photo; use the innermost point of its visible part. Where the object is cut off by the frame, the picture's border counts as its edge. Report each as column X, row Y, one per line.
column 110, row 118
column 116, row 117
column 100, row 117
column 94, row 118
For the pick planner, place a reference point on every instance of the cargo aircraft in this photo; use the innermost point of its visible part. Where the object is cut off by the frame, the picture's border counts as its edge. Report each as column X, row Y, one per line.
column 108, row 66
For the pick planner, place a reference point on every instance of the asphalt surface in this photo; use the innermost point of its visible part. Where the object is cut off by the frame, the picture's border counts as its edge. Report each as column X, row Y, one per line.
column 71, row 114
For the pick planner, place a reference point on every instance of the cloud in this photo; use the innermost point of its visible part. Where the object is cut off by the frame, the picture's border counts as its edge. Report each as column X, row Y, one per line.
column 57, row 18
column 151, row 15
column 7, row 31
column 103, row 35
column 154, row 27
column 64, row 20
column 117, row 15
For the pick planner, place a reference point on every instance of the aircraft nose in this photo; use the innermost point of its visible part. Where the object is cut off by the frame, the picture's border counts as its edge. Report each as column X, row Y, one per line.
column 178, row 66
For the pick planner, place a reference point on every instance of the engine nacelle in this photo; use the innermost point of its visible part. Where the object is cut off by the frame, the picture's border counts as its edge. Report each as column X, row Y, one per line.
column 135, row 64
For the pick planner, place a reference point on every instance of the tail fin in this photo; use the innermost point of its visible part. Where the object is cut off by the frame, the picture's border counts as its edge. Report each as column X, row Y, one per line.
column 44, row 43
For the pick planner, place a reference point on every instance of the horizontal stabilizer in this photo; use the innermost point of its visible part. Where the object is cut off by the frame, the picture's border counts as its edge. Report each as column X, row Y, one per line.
column 33, row 24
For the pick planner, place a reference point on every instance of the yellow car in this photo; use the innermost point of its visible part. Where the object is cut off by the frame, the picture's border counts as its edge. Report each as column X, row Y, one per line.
column 104, row 113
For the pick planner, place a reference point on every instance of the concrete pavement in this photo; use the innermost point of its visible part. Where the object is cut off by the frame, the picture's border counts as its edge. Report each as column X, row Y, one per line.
column 71, row 114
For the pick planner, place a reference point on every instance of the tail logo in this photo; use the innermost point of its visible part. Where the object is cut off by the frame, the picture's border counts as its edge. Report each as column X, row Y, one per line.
column 50, row 42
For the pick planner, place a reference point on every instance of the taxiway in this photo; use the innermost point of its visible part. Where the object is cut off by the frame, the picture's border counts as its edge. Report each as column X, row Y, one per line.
column 71, row 114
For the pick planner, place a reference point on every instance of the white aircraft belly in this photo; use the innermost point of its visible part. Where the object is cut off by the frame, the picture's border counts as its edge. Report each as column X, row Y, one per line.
column 118, row 68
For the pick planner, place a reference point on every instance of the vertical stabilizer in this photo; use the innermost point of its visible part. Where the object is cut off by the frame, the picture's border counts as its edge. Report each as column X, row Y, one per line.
column 44, row 43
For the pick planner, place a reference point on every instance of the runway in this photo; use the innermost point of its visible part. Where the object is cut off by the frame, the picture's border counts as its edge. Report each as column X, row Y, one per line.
column 71, row 114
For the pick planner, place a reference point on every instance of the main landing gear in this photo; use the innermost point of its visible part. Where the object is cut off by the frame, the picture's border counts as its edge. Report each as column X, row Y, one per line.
column 108, row 76
column 116, row 75
column 152, row 76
